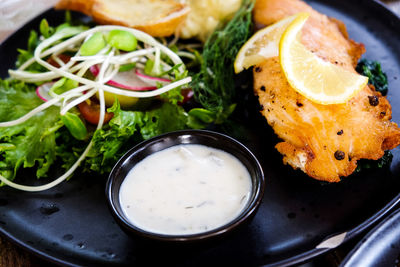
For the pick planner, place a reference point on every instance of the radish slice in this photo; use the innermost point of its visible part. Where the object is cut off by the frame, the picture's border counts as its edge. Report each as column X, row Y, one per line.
column 187, row 95
column 126, row 80
column 95, row 70
column 42, row 91
column 151, row 79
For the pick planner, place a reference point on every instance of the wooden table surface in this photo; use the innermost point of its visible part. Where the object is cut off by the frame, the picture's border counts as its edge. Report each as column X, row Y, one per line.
column 13, row 14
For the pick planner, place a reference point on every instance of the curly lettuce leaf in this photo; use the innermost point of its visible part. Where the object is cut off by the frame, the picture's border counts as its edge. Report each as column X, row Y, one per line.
column 68, row 148
column 167, row 118
column 42, row 140
column 32, row 142
column 127, row 128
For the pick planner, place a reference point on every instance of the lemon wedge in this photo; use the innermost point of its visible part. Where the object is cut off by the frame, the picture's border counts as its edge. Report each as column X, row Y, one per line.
column 262, row 45
column 318, row 80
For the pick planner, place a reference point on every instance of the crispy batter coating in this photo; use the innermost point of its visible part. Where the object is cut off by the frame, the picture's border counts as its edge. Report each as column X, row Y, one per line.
column 324, row 141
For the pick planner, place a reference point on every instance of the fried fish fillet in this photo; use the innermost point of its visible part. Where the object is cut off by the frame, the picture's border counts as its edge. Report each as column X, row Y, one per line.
column 324, row 141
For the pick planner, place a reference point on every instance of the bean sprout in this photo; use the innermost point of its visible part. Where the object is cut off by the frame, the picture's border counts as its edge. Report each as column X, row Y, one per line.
column 110, row 60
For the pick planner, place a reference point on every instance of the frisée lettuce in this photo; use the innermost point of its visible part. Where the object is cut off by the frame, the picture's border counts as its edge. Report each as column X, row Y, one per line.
column 32, row 142
column 43, row 139
column 127, row 128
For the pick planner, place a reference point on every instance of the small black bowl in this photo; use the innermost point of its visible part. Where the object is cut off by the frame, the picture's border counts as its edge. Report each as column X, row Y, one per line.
column 208, row 138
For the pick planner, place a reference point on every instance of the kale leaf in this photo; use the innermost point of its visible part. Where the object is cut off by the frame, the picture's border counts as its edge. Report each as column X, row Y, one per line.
column 373, row 70
column 374, row 164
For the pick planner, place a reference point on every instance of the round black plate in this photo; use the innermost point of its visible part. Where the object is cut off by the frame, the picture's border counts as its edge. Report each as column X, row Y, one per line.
column 381, row 247
column 70, row 224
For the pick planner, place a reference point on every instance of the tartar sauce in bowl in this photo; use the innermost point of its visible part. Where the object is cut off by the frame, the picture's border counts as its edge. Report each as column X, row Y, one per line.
column 185, row 189
column 185, row 186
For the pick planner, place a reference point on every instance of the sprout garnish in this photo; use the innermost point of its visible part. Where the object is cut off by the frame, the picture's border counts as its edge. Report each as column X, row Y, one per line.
column 107, row 47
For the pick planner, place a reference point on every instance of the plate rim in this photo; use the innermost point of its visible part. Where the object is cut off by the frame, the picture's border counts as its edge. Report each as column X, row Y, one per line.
column 383, row 215
column 372, row 235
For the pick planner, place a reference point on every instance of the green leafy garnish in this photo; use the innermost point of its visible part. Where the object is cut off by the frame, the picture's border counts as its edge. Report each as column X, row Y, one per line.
column 93, row 45
column 174, row 96
column 45, row 29
column 75, row 125
column 374, row 164
column 25, row 55
column 373, row 70
column 32, row 142
column 127, row 67
column 66, row 29
column 127, row 128
column 122, row 40
column 214, row 85
column 151, row 69
column 63, row 85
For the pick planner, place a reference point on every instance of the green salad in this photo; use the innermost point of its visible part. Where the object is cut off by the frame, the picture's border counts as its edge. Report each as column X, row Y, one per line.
column 82, row 96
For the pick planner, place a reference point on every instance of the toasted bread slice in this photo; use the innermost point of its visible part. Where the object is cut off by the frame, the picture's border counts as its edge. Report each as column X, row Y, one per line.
column 156, row 17
column 84, row 6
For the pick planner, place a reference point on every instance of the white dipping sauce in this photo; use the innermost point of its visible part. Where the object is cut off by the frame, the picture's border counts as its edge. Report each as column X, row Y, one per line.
column 185, row 189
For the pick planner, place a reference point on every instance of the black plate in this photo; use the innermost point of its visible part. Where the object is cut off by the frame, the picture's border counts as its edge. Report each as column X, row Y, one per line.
column 381, row 247
column 70, row 224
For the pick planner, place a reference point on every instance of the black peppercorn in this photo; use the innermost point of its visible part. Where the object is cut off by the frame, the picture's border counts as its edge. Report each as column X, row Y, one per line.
column 373, row 100
column 339, row 155
column 340, row 132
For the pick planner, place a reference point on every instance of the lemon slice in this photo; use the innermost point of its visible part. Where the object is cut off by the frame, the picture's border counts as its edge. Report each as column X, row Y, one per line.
column 262, row 45
column 318, row 80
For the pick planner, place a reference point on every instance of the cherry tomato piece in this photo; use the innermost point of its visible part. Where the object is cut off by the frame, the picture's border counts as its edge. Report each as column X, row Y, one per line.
column 64, row 58
column 91, row 112
column 187, row 95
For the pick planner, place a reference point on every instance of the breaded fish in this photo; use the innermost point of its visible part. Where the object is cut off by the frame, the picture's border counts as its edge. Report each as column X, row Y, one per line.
column 324, row 141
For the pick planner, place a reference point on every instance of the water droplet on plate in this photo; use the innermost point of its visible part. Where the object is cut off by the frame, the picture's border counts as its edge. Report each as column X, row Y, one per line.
column 48, row 209
column 81, row 245
column 68, row 237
